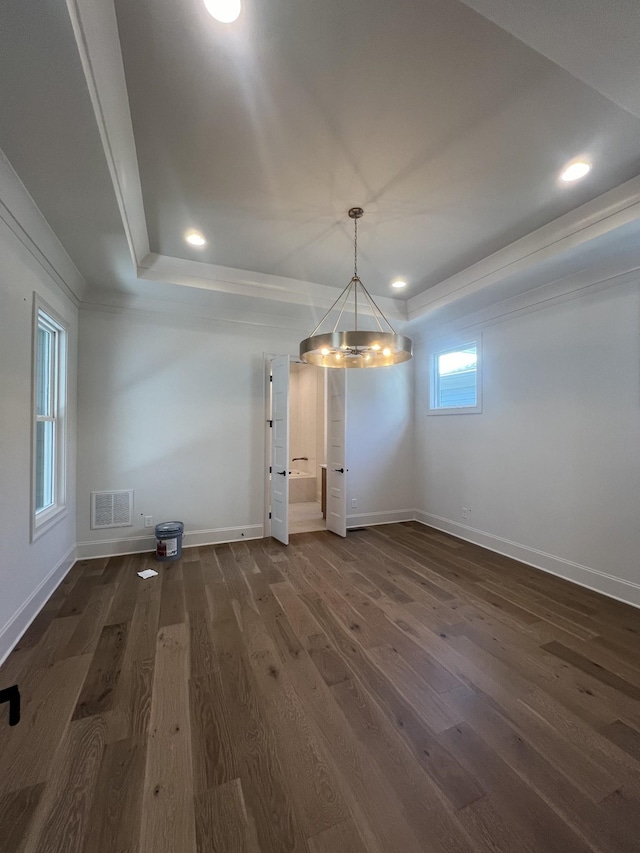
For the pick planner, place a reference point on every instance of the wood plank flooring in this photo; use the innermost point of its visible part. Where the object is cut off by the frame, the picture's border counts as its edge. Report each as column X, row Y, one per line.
column 399, row 691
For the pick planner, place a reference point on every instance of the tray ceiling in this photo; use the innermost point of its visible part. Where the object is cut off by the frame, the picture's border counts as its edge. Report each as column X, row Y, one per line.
column 445, row 127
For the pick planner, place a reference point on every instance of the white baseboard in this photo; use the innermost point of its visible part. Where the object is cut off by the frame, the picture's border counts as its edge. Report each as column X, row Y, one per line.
column 609, row 585
column 367, row 519
column 15, row 627
column 191, row 539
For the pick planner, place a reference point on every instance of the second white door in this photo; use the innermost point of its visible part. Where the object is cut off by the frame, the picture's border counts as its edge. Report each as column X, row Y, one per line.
column 336, row 451
column 280, row 448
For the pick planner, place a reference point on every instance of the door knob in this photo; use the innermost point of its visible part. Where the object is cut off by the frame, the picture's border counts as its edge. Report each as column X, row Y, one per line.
column 339, row 470
column 282, row 473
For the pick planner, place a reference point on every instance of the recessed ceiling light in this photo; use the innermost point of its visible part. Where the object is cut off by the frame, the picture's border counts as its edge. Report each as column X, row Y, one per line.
column 225, row 11
column 574, row 171
column 195, row 238
column 398, row 283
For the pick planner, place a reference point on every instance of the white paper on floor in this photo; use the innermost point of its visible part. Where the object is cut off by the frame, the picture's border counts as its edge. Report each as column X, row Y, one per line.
column 148, row 573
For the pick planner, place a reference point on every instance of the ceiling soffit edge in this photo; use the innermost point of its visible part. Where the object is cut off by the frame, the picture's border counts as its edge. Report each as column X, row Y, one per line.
column 95, row 29
column 598, row 217
column 252, row 284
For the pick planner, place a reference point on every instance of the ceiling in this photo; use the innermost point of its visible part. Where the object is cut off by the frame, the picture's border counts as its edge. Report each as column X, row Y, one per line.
column 131, row 124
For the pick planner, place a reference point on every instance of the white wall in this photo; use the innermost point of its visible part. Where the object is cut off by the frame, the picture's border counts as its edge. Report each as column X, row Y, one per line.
column 380, row 444
column 551, row 468
column 173, row 408
column 28, row 572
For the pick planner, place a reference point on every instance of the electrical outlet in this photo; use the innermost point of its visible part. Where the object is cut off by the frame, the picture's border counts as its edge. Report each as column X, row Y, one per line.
column 465, row 512
column 148, row 521
column 354, row 503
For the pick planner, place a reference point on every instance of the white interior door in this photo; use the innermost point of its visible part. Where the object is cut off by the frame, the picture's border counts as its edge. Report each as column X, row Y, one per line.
column 336, row 452
column 280, row 448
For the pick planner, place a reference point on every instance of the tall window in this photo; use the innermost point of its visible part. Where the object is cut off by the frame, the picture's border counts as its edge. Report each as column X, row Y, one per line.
column 455, row 380
column 50, row 341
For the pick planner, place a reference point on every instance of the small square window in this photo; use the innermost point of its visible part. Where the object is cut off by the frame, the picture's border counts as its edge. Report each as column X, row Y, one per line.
column 455, row 386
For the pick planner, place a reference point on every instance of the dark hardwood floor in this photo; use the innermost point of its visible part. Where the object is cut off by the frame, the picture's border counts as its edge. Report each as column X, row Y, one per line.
column 397, row 691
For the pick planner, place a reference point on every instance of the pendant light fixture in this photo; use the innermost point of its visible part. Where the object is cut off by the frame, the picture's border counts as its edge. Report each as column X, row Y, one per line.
column 356, row 347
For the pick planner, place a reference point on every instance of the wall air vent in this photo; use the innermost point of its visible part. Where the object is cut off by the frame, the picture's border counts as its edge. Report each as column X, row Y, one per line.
column 111, row 509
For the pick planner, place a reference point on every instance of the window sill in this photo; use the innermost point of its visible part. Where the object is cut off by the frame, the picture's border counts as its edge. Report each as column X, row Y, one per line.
column 459, row 410
column 45, row 520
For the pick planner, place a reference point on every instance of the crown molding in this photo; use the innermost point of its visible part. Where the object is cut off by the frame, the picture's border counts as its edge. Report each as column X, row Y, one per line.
column 546, row 296
column 22, row 216
column 598, row 217
column 229, row 313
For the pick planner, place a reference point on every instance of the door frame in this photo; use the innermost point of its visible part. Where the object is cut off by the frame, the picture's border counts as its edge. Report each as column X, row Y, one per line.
column 268, row 356
column 293, row 359
column 336, row 477
column 280, row 447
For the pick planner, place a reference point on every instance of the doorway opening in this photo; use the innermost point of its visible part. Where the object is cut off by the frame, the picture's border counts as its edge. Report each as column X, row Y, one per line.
column 307, row 448
column 317, row 455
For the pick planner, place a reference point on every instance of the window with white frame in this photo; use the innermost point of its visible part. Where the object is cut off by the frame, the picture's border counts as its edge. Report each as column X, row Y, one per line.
column 49, row 407
column 455, row 379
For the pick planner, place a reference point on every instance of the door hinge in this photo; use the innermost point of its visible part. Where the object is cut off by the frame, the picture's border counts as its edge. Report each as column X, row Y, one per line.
column 271, row 424
column 270, row 378
column 269, row 515
column 270, row 469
